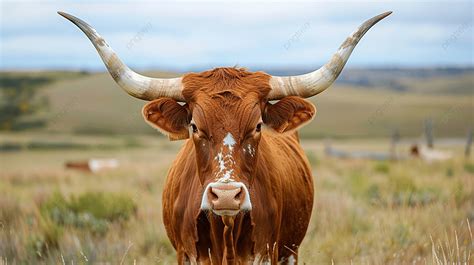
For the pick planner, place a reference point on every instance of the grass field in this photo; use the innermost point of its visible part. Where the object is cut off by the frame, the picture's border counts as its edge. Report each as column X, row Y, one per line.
column 365, row 212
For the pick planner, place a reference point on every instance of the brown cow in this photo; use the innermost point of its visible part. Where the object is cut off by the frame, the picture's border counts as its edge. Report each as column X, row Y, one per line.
column 238, row 192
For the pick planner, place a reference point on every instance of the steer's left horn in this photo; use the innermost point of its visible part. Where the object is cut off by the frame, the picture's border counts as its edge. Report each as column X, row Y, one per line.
column 137, row 85
column 310, row 84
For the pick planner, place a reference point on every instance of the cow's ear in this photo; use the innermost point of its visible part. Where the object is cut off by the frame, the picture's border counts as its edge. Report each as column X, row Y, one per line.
column 169, row 117
column 288, row 114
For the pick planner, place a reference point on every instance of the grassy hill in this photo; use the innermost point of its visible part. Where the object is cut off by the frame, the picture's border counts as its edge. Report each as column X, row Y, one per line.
column 93, row 104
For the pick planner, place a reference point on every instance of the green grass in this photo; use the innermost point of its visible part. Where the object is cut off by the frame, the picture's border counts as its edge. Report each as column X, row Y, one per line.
column 364, row 212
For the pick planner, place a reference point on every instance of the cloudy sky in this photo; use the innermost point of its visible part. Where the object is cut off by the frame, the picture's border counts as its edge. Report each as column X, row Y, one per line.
column 256, row 34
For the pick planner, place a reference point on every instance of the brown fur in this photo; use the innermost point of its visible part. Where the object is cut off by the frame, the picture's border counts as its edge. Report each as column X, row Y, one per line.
column 278, row 175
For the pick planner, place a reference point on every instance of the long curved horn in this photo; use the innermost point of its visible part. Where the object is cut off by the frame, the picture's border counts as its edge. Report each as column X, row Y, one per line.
column 137, row 85
column 313, row 83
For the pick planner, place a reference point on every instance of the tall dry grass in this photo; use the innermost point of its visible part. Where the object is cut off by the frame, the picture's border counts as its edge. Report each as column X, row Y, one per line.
column 365, row 212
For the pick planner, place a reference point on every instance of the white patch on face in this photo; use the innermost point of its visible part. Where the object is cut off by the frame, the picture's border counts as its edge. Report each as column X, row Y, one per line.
column 229, row 141
column 225, row 160
column 226, row 177
column 224, row 173
column 251, row 150
column 225, row 164
column 220, row 160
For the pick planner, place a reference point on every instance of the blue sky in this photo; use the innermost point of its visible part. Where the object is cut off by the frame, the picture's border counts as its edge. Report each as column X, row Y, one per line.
column 257, row 34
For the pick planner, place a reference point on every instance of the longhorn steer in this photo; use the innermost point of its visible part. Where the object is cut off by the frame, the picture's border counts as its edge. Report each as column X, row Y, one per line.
column 238, row 192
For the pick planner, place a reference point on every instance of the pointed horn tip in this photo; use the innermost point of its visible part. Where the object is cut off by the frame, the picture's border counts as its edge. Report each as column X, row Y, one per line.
column 67, row 16
column 385, row 14
column 71, row 18
column 369, row 23
column 63, row 14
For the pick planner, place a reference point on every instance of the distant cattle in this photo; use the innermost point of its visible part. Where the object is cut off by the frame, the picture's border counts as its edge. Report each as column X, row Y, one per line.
column 240, row 190
column 93, row 165
column 429, row 154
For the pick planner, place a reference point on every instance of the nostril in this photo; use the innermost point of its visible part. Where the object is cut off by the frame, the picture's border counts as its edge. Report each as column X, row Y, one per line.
column 212, row 195
column 239, row 195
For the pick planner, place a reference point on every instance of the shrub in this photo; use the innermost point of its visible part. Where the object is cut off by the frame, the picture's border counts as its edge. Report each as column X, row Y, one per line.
column 404, row 192
column 469, row 168
column 92, row 210
column 51, row 232
column 46, row 238
column 382, row 168
column 110, row 207
column 449, row 172
column 414, row 198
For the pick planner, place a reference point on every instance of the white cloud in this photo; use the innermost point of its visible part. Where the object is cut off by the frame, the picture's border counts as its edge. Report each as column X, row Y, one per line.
column 185, row 34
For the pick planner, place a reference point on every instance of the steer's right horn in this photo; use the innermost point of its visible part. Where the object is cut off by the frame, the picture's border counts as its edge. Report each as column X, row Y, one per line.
column 137, row 85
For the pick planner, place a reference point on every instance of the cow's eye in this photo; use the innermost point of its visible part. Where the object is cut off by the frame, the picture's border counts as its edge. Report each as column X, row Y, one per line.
column 194, row 127
column 258, row 128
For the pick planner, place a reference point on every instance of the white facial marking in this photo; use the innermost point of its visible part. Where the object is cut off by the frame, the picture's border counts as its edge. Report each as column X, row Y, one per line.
column 220, row 160
column 226, row 177
column 229, row 141
column 251, row 150
column 225, row 164
column 225, row 160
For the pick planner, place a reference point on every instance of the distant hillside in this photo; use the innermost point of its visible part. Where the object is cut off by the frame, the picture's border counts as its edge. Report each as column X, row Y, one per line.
column 93, row 104
column 423, row 80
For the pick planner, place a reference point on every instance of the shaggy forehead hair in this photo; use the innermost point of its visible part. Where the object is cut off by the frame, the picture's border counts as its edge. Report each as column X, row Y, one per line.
column 225, row 83
column 225, row 98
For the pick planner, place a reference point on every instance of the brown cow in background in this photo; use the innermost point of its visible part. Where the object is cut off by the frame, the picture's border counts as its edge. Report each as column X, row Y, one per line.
column 238, row 192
